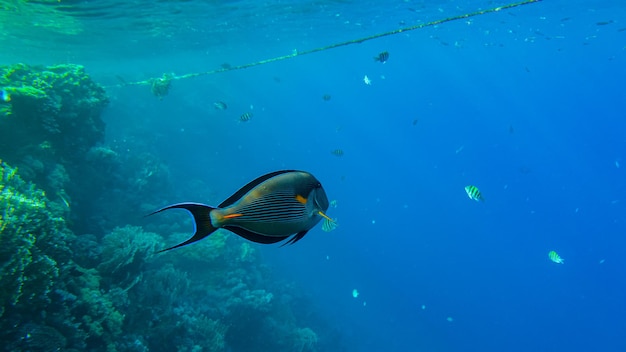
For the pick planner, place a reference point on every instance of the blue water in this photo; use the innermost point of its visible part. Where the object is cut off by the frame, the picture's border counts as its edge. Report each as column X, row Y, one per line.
column 527, row 104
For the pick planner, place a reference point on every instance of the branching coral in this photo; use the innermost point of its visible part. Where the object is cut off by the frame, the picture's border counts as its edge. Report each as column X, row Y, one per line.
column 304, row 340
column 126, row 249
column 95, row 309
column 27, row 231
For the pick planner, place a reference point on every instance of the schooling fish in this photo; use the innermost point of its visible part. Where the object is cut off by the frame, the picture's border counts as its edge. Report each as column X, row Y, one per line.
column 329, row 225
column 220, row 105
column 337, row 152
column 474, row 193
column 267, row 210
column 382, row 57
column 555, row 257
column 245, row 117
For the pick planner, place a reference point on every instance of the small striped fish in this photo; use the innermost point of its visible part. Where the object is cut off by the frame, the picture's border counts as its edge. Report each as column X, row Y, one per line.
column 474, row 193
column 337, row 152
column 329, row 225
column 555, row 257
column 245, row 117
column 382, row 57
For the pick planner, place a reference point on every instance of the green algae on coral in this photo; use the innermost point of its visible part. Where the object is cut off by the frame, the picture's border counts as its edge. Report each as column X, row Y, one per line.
column 27, row 226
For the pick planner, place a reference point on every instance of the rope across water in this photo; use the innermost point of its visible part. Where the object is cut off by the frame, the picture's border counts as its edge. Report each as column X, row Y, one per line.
column 160, row 85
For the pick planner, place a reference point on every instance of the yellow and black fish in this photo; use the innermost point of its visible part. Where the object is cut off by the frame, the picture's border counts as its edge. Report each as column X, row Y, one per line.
column 245, row 117
column 382, row 57
column 267, row 210
column 474, row 193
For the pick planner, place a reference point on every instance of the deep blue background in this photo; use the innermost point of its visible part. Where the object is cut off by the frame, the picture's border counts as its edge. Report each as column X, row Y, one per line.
column 527, row 104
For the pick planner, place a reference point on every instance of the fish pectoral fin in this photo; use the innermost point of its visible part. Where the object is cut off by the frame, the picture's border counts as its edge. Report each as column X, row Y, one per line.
column 295, row 238
column 253, row 236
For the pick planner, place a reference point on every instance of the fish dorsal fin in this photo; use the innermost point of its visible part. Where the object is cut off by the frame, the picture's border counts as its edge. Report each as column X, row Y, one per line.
column 245, row 189
column 254, row 237
column 295, row 238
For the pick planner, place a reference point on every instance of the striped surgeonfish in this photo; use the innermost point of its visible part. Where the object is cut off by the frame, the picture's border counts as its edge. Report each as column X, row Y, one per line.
column 474, row 193
column 267, row 210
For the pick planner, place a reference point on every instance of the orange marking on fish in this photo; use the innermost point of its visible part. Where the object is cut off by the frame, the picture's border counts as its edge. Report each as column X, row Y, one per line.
column 301, row 199
column 230, row 216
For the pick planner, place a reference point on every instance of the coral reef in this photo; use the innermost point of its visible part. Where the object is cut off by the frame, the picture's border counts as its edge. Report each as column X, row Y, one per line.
column 53, row 110
column 27, row 231
column 77, row 272
column 34, row 252
column 49, row 121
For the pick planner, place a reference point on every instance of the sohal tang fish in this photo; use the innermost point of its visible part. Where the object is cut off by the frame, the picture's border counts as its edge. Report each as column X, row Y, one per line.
column 267, row 210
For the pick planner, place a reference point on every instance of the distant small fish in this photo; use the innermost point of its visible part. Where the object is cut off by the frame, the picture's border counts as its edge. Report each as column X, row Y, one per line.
column 122, row 80
column 474, row 193
column 337, row 152
column 333, row 203
column 329, row 225
column 603, row 23
column 382, row 57
column 326, row 97
column 415, row 121
column 220, row 105
column 65, row 201
column 555, row 257
column 5, row 96
column 367, row 80
column 245, row 117
column 226, row 66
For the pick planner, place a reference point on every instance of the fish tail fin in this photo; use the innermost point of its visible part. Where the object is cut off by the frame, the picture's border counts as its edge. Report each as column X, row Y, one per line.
column 202, row 221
